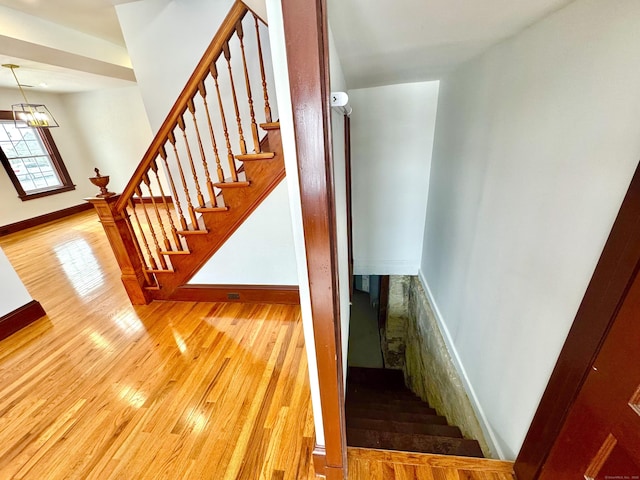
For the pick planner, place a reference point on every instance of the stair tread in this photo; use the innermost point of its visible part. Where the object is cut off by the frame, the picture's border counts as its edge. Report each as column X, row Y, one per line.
column 256, row 156
column 400, row 394
column 404, row 427
column 356, row 412
column 357, row 437
column 270, row 125
column 237, row 184
column 408, row 407
column 376, row 377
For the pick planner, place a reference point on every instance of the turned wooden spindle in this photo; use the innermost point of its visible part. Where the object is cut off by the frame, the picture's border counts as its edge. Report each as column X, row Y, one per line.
column 214, row 145
column 254, row 125
column 152, row 231
column 147, row 182
column 267, row 107
column 205, row 165
column 176, row 200
column 172, row 225
column 151, row 259
column 190, row 209
column 199, row 196
column 227, row 55
column 230, row 156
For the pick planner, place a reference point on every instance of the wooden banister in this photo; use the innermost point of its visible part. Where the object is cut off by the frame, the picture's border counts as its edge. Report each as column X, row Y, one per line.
column 215, row 49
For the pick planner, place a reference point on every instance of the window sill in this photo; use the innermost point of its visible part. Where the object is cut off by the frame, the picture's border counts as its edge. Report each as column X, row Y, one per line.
column 46, row 193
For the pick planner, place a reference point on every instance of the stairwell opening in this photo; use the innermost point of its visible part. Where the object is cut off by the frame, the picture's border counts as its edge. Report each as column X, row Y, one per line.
column 403, row 392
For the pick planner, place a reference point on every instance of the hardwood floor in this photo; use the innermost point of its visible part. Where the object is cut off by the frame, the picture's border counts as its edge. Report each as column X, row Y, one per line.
column 101, row 390
column 385, row 465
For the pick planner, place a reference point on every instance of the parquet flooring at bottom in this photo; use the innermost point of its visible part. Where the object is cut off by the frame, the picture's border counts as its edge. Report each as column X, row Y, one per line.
column 385, row 465
column 99, row 389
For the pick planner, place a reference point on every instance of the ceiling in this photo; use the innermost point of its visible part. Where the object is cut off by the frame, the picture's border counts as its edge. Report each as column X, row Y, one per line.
column 49, row 67
column 398, row 41
column 94, row 17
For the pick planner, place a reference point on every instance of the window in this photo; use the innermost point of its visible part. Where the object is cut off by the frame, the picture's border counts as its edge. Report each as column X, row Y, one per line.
column 31, row 159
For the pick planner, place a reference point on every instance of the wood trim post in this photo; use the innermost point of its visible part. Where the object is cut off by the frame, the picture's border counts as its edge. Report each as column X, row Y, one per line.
column 305, row 28
column 123, row 246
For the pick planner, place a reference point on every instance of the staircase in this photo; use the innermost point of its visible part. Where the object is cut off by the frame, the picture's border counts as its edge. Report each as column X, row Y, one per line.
column 382, row 413
column 216, row 157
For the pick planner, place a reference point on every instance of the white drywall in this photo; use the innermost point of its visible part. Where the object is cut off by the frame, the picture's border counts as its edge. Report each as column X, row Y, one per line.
column 270, row 261
column 536, row 142
column 338, row 84
column 75, row 158
column 281, row 74
column 113, row 128
column 145, row 25
column 13, row 293
column 391, row 142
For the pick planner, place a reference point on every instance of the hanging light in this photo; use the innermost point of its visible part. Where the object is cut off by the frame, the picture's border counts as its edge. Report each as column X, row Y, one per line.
column 29, row 114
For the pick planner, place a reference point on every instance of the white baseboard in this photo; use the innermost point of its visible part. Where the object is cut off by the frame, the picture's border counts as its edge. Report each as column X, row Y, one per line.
column 489, row 434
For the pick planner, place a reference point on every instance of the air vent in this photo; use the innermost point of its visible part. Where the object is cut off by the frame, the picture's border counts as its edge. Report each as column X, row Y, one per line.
column 233, row 296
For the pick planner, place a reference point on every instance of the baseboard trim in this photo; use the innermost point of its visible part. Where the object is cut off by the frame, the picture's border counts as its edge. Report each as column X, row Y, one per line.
column 20, row 318
column 489, row 434
column 320, row 460
column 281, row 294
column 41, row 219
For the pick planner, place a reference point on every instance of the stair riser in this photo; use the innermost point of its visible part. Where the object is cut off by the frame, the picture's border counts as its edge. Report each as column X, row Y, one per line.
column 404, row 427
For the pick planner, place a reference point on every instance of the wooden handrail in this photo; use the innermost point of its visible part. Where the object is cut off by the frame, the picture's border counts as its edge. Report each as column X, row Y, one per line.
column 213, row 52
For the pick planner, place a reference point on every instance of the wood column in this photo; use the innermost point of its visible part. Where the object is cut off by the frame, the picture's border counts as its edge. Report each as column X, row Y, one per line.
column 123, row 246
column 305, row 27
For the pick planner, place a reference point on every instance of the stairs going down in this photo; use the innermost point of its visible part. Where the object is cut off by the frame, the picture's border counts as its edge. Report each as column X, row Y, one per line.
column 382, row 413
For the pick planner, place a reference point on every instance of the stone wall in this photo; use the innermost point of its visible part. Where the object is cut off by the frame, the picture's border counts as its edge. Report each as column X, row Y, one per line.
column 393, row 334
column 430, row 371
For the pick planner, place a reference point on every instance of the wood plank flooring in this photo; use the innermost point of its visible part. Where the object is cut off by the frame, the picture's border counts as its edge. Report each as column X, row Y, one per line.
column 101, row 390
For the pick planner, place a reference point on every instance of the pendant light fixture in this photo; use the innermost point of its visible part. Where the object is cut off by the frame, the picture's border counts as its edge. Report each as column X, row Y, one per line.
column 29, row 114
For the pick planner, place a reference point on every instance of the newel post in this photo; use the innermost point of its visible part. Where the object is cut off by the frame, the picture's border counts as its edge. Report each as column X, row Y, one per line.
column 122, row 243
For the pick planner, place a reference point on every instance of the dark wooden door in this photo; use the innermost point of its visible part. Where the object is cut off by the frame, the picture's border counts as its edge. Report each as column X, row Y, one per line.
column 601, row 437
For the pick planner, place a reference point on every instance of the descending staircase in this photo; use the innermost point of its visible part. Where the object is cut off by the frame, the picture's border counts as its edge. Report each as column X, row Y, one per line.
column 382, row 413
column 216, row 157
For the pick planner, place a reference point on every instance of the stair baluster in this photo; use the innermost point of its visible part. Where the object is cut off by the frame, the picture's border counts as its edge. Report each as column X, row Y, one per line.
column 227, row 56
column 199, row 195
column 267, row 107
column 172, row 225
column 203, row 157
column 152, row 231
column 190, row 209
column 214, row 145
column 151, row 259
column 254, row 125
column 230, row 157
column 165, row 239
column 176, row 200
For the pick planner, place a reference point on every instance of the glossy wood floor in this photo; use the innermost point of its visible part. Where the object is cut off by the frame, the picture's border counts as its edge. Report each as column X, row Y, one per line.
column 99, row 389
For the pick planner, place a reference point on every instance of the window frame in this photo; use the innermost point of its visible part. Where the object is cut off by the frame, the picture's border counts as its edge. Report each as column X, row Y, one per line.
column 56, row 161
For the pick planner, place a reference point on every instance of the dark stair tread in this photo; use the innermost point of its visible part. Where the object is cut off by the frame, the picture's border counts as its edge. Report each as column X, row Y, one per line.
column 403, row 427
column 407, row 407
column 353, row 412
column 408, row 442
column 399, row 391
column 373, row 397
column 376, row 377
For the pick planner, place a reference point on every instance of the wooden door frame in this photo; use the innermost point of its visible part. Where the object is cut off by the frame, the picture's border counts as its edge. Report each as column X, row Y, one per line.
column 305, row 29
column 606, row 291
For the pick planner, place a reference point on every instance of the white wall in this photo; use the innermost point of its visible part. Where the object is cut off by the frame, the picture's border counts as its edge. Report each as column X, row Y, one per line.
column 339, row 84
column 113, row 127
column 270, row 261
column 80, row 168
column 283, row 92
column 13, row 293
column 145, row 25
column 391, row 142
column 536, row 142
